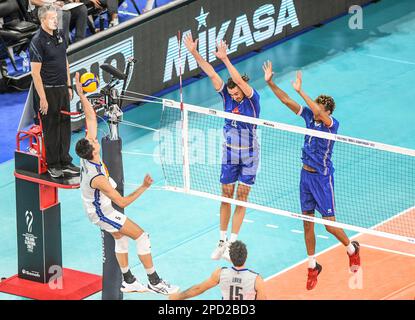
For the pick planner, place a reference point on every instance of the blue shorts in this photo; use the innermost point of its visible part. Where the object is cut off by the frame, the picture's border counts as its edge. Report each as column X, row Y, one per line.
column 239, row 165
column 317, row 193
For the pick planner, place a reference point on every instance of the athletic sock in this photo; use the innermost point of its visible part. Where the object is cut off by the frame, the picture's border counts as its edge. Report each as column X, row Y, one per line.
column 312, row 263
column 351, row 249
column 128, row 277
column 150, row 270
column 154, row 278
column 124, row 269
column 234, row 236
column 223, row 235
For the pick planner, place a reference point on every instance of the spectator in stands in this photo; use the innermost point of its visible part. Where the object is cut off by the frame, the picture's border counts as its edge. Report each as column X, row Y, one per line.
column 149, row 6
column 76, row 16
column 112, row 7
column 52, row 81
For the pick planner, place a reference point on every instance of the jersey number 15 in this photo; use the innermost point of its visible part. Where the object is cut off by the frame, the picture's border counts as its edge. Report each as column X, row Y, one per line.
column 235, row 293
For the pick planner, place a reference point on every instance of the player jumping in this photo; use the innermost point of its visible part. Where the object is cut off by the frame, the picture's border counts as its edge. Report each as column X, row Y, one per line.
column 317, row 182
column 240, row 150
column 98, row 190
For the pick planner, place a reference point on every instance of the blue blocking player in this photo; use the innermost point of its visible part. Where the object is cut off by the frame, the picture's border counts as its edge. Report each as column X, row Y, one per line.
column 241, row 149
column 317, row 182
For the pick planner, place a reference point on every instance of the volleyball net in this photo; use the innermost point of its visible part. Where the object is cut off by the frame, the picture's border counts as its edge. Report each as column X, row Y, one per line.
column 374, row 183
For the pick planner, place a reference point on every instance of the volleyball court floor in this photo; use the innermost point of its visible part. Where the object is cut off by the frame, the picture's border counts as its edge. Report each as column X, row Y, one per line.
column 370, row 73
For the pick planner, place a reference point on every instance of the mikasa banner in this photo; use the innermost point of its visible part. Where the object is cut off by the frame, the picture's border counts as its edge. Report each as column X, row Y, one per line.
column 242, row 32
column 152, row 38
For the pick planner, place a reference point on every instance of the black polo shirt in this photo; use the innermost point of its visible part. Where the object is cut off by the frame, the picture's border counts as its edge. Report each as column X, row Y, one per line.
column 51, row 52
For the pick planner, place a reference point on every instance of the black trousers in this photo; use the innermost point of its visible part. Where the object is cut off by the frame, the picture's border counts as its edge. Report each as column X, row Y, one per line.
column 75, row 18
column 56, row 127
column 111, row 5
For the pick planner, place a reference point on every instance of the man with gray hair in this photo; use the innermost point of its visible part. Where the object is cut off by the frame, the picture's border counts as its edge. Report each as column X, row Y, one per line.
column 52, row 81
column 76, row 17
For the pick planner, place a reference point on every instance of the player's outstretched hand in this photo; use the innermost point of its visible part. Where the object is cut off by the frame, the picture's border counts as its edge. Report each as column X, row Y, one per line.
column 298, row 82
column 222, row 49
column 190, row 44
column 268, row 73
column 78, row 85
column 147, row 181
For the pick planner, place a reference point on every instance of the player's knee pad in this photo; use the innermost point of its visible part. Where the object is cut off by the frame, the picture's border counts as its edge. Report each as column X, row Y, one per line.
column 143, row 244
column 121, row 245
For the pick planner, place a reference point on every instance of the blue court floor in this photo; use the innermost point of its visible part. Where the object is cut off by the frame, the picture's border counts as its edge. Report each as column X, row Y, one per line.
column 369, row 72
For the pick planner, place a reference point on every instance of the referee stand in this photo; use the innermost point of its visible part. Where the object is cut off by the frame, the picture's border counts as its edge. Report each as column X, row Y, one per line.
column 40, row 273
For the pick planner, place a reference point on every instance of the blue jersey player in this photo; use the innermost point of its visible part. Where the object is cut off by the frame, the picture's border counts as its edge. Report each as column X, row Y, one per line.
column 240, row 150
column 317, row 182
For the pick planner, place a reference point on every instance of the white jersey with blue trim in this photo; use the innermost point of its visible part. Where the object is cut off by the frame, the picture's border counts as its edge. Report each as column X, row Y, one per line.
column 95, row 202
column 237, row 284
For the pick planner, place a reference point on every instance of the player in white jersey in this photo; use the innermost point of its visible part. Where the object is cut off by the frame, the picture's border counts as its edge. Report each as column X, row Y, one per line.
column 236, row 283
column 98, row 193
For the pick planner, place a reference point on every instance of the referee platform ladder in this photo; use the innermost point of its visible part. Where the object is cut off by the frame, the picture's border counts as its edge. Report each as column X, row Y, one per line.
column 40, row 273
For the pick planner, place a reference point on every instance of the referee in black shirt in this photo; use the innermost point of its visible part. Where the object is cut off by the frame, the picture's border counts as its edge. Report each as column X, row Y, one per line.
column 50, row 73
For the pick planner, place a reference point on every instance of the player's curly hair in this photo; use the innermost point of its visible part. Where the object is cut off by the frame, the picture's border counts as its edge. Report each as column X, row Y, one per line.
column 238, row 253
column 231, row 84
column 84, row 149
column 327, row 102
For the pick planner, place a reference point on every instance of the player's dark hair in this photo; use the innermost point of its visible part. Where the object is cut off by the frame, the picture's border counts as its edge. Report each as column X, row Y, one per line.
column 231, row 84
column 327, row 102
column 238, row 253
column 84, row 149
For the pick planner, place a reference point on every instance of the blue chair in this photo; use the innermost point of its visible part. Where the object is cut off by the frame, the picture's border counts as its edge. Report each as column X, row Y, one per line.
column 15, row 33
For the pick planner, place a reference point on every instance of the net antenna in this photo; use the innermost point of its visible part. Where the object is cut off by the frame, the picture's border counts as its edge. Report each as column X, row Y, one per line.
column 184, row 120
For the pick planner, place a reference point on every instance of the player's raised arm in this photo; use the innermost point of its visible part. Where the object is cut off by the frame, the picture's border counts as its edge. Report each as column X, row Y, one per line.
column 90, row 116
column 222, row 54
column 102, row 184
column 314, row 106
column 199, row 288
column 280, row 94
column 203, row 64
column 260, row 288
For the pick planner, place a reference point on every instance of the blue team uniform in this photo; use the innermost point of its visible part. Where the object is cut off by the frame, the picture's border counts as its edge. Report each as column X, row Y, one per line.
column 240, row 156
column 317, row 189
